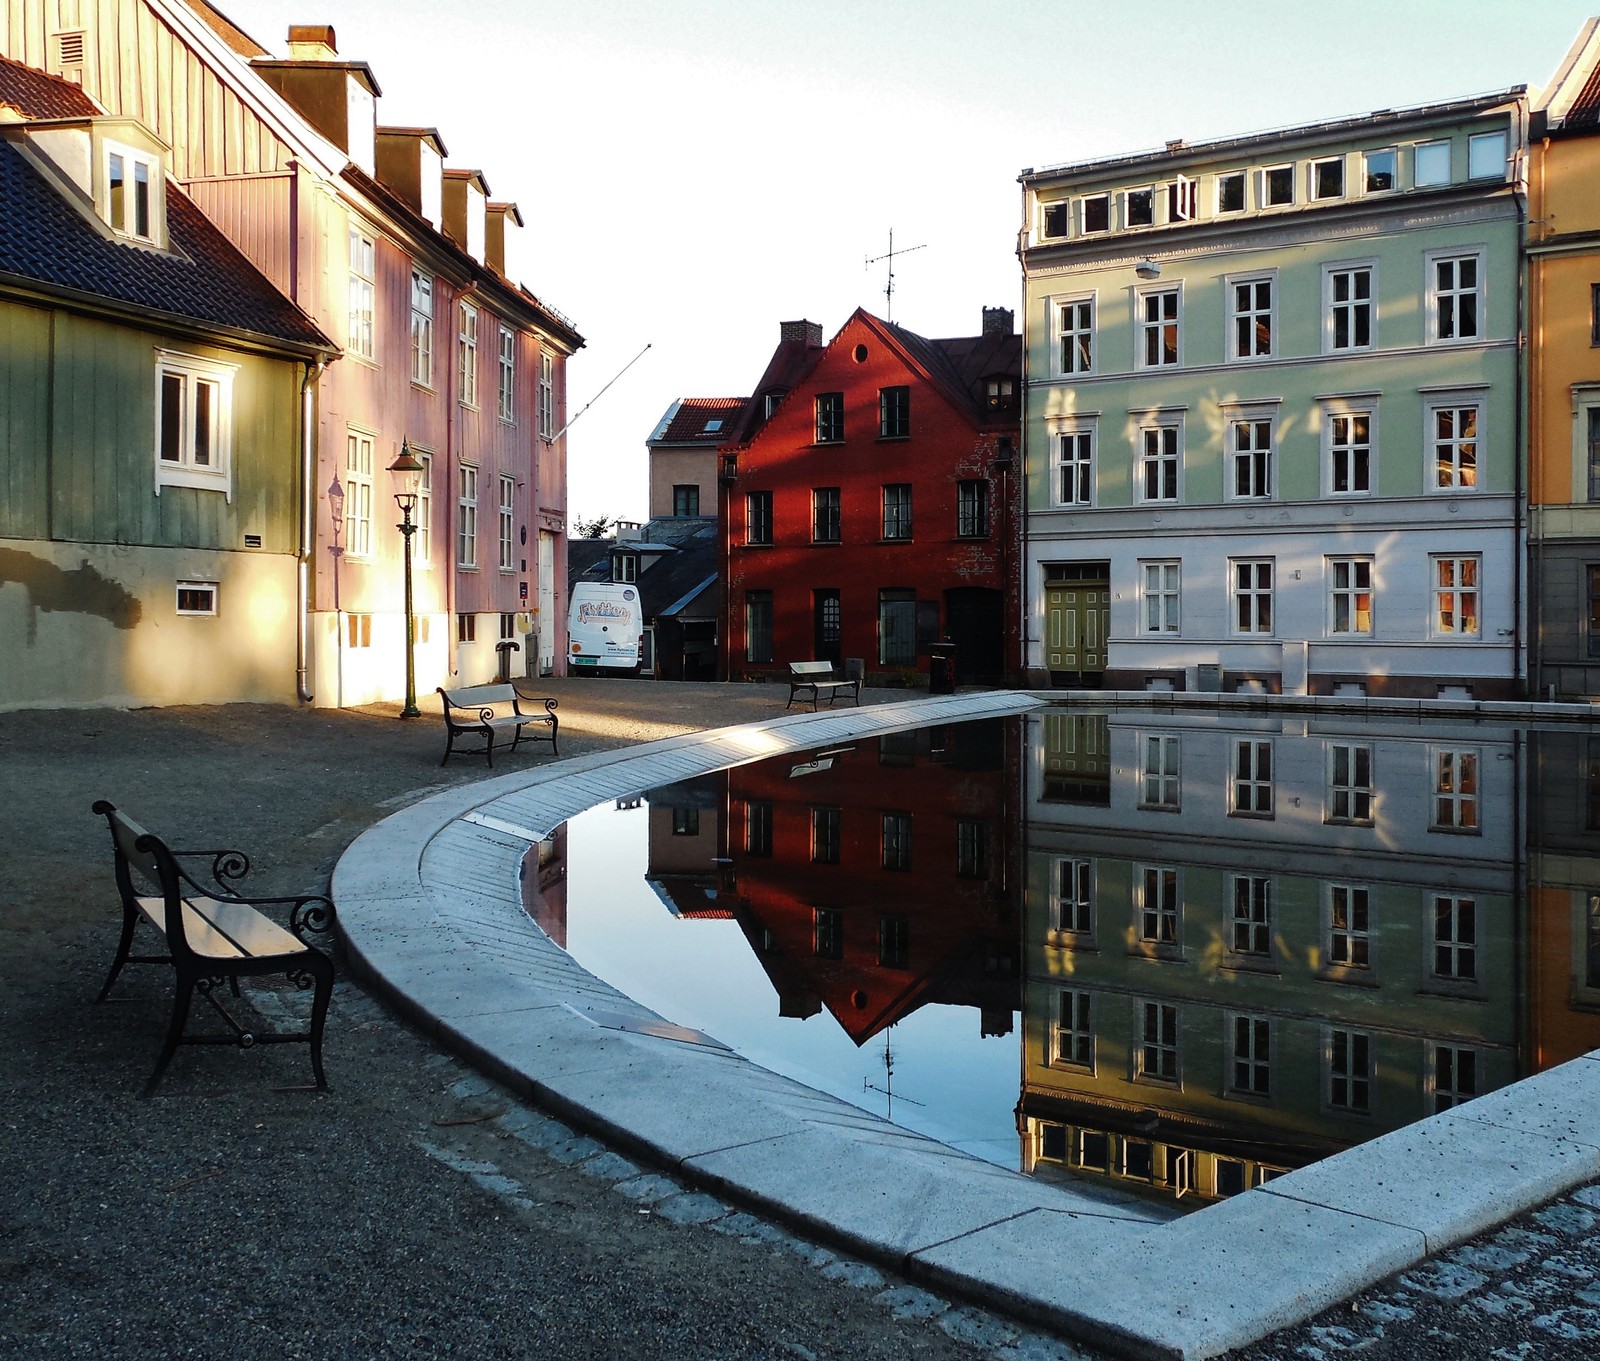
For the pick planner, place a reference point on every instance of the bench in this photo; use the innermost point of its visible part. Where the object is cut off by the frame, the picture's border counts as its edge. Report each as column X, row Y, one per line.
column 215, row 934
column 485, row 710
column 817, row 677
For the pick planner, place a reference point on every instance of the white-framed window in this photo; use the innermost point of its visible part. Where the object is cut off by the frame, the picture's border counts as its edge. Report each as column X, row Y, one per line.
column 1349, row 300
column 830, row 417
column 1183, row 199
column 193, row 423
column 1251, row 1043
column 1160, row 328
column 1349, row 1065
column 1586, row 431
column 1455, row 595
column 1455, row 790
column 422, row 540
column 1156, row 1058
column 896, row 510
column 1276, row 186
column 1430, row 164
column 1159, row 583
column 421, row 328
column 358, row 463
column 134, row 198
column 1455, row 297
column 1453, row 431
column 508, row 523
column 1252, row 317
column 1072, row 903
column 1074, row 479
column 1327, row 178
column 1160, row 770
column 1455, row 939
column 467, row 355
column 1486, row 156
column 1381, row 170
column 197, row 597
column 1350, row 596
column 1231, row 192
column 1350, row 790
column 466, row 516
column 1453, row 1075
column 1251, row 457
column 1160, row 462
column 507, row 394
column 1250, row 785
column 1075, row 343
column 1072, row 1031
column 1094, row 214
column 547, row 396
column 1139, row 207
column 625, row 567
column 1251, row 580
column 1251, row 919
column 1054, row 220
column 359, row 333
column 1349, row 926
column 1350, row 445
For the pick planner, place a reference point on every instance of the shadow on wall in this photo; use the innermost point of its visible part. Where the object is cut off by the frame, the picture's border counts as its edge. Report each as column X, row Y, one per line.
column 81, row 591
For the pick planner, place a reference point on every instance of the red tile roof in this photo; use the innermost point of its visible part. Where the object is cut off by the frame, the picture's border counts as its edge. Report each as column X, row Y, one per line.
column 36, row 94
column 707, row 421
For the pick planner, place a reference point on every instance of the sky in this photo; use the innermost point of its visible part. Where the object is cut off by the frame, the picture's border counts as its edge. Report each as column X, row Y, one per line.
column 693, row 172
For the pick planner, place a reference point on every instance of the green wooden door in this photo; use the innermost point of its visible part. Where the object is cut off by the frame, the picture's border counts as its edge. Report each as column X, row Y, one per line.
column 1077, row 616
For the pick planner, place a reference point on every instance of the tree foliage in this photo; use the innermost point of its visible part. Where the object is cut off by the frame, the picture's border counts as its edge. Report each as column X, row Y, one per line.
column 595, row 528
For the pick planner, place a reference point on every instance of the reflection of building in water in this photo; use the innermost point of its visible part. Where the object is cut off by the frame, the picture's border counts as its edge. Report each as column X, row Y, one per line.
column 868, row 880
column 685, row 841
column 544, row 885
column 1251, row 942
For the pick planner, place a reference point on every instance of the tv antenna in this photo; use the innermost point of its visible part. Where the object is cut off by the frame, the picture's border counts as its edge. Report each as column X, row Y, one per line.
column 868, row 1085
column 888, row 288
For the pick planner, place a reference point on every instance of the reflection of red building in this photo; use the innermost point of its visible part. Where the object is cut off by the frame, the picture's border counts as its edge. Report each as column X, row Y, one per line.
column 872, row 512
column 869, row 884
column 544, row 885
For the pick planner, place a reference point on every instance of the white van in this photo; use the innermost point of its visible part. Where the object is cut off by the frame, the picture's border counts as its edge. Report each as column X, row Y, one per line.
column 604, row 626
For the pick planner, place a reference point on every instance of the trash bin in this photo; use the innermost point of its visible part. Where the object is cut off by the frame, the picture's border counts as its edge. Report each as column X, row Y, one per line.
column 504, row 649
column 942, row 668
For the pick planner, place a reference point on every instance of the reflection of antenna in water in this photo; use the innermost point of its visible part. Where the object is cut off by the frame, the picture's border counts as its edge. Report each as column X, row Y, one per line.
column 888, row 1077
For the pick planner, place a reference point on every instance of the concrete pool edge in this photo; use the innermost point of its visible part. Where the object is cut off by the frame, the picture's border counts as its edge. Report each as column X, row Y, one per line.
column 431, row 912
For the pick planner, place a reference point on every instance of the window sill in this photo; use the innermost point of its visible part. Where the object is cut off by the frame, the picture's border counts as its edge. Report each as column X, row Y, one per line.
column 1455, row 831
column 891, row 439
column 763, row 543
column 1348, row 978
column 827, row 543
column 887, row 542
column 826, row 443
column 420, row 386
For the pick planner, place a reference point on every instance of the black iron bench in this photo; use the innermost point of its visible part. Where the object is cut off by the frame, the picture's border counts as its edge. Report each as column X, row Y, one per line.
column 817, row 677
column 215, row 934
column 484, row 710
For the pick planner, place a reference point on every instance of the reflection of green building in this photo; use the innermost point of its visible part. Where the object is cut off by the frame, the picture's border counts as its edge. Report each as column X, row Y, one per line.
column 1272, row 940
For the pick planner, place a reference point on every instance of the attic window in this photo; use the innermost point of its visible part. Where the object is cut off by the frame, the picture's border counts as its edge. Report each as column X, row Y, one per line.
column 713, row 426
column 133, row 192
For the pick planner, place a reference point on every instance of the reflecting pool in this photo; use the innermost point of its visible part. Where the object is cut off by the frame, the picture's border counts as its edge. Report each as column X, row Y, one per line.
column 1180, row 952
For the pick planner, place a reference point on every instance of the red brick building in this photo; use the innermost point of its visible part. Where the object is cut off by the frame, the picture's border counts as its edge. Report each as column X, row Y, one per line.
column 872, row 509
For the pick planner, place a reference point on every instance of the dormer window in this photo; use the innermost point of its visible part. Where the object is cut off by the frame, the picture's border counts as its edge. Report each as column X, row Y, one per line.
column 625, row 567
column 133, row 192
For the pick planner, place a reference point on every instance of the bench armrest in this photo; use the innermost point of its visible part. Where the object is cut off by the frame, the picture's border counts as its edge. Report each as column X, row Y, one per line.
column 518, row 698
column 310, row 914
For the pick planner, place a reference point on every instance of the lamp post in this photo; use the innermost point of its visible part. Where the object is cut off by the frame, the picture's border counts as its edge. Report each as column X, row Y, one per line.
column 336, row 549
column 407, row 472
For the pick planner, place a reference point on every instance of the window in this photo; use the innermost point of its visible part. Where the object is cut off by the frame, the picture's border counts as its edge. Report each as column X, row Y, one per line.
column 1054, row 219
column 894, row 942
column 1455, row 1075
column 1454, row 297
column 466, row 628
column 508, row 627
column 1250, row 794
column 972, row 509
column 1453, row 432
column 897, row 510
column 1072, row 1038
column 467, row 355
column 1455, row 596
column 1592, row 575
column 758, row 828
column 359, row 332
column 1350, row 596
column 194, row 423
column 1252, row 460
column 1594, row 314
column 825, row 515
column 829, row 926
column 972, row 849
column 625, row 567
column 508, row 523
column 894, row 412
column 1350, row 783
column 897, row 627
column 1350, row 1071
column 1075, row 335
column 1350, row 453
column 1230, row 192
column 1158, row 463
column 197, row 597
column 1455, row 939
column 830, row 417
column 358, row 494
column 466, row 516
column 133, row 188
column 896, row 841
column 1075, row 468
column 1160, row 785
column 686, row 499
column 508, row 375
column 1159, row 328
column 1382, row 170
column 1252, row 594
column 1160, row 597
column 1252, row 914
column 1431, row 164
column 1486, row 156
column 1349, row 927
column 1327, row 178
column 1455, row 791
column 1252, row 316
column 1252, row 1056
column 422, row 540
column 1592, row 450
column 1182, row 197
column 1349, row 301
column 1277, row 186
column 1139, row 208
column 825, row 836
column 758, row 626
column 1096, row 213
column 421, row 328
column 547, row 397
column 999, row 394
column 1157, row 1055
column 758, row 517
column 685, row 822
column 1073, row 907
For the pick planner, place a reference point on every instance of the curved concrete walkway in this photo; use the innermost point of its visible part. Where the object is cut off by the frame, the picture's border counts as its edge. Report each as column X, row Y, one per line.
column 431, row 910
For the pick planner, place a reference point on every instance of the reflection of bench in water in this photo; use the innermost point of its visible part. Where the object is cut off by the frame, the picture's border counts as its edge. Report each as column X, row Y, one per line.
column 817, row 677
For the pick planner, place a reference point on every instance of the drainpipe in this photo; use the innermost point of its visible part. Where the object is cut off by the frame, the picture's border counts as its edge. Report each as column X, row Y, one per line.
column 1519, row 543
column 1024, row 441
column 308, row 525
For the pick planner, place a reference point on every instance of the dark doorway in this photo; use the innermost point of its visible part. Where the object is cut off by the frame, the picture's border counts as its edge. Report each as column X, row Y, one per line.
column 976, row 625
column 825, row 640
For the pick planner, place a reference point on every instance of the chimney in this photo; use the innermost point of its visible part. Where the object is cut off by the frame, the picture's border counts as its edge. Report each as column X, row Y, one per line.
column 312, row 42
column 338, row 98
column 499, row 220
column 808, row 333
column 466, row 195
column 411, row 164
column 998, row 321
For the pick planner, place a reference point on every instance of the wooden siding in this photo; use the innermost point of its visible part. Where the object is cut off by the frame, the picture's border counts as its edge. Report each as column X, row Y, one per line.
column 24, row 420
column 254, row 212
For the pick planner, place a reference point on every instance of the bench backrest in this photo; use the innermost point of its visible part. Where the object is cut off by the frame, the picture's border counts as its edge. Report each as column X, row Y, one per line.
column 802, row 670
column 144, row 853
column 479, row 696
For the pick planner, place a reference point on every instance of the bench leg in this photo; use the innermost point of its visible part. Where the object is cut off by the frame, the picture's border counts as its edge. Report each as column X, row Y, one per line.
column 322, row 970
column 180, row 1017
column 130, row 920
column 449, row 745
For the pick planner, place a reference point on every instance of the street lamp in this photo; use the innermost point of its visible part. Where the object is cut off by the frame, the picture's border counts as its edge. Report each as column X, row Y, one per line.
column 336, row 549
column 407, row 472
